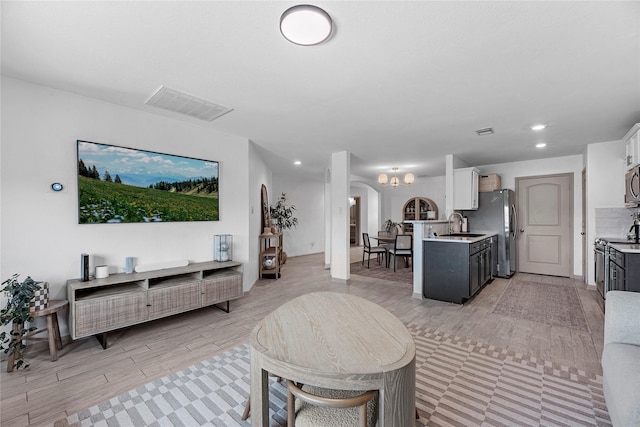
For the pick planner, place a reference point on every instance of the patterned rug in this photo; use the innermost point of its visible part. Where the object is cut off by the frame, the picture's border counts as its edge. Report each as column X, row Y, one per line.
column 459, row 382
column 402, row 273
column 551, row 304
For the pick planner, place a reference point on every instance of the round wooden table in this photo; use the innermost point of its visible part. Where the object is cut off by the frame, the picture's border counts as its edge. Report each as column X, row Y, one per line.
column 338, row 341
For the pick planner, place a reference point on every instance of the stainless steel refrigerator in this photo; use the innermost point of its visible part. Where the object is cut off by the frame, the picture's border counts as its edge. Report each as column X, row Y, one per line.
column 497, row 214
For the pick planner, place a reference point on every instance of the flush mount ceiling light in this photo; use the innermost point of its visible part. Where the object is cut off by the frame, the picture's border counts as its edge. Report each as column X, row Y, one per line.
column 538, row 127
column 297, row 163
column 383, row 179
column 305, row 25
column 541, row 144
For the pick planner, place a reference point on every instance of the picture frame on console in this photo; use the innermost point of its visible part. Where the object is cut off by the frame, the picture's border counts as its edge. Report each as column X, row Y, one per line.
column 128, row 185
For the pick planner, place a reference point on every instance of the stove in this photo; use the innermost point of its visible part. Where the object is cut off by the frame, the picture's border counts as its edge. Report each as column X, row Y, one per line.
column 601, row 251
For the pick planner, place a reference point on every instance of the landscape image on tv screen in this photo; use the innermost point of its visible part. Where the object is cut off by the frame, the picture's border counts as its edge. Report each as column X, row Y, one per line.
column 117, row 184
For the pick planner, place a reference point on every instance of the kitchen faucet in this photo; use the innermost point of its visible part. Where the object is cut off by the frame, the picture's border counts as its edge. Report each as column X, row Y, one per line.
column 453, row 214
column 636, row 226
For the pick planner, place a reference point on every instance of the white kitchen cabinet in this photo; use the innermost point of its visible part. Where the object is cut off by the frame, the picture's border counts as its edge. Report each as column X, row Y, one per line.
column 465, row 189
column 632, row 146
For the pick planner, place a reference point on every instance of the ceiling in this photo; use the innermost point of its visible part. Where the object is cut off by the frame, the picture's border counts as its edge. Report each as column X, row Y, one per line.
column 398, row 83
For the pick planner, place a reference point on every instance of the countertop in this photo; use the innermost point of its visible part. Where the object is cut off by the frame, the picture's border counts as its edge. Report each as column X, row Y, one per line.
column 633, row 248
column 463, row 239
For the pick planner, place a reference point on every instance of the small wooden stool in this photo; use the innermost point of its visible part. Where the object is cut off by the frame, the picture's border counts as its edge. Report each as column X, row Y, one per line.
column 55, row 341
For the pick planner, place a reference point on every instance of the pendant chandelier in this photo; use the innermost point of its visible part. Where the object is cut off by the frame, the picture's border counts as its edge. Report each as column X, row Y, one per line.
column 383, row 179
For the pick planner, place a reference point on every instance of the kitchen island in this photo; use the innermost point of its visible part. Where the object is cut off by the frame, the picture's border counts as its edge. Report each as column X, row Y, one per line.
column 457, row 266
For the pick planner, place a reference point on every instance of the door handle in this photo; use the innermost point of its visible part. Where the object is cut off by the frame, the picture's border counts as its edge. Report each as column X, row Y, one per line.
column 582, row 233
column 522, row 230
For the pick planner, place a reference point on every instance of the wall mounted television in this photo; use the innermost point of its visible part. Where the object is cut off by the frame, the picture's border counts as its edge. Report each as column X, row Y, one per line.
column 128, row 185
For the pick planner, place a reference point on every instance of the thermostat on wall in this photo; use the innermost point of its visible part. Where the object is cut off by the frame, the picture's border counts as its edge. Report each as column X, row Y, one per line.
column 56, row 186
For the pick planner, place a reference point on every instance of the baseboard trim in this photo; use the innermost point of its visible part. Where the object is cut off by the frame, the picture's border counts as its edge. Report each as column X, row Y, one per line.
column 341, row 281
column 417, row 296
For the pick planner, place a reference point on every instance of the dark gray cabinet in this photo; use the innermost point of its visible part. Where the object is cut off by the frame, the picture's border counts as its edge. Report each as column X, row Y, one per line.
column 454, row 271
column 624, row 271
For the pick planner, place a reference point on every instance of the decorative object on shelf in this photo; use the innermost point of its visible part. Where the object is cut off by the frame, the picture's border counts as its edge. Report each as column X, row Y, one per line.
column 16, row 312
column 128, row 265
column 84, row 267
column 383, row 179
column 102, row 271
column 222, row 244
column 305, row 25
column 269, row 263
column 141, row 268
column 40, row 299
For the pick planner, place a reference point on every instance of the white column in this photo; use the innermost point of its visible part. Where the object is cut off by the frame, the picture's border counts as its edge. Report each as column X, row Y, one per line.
column 448, row 197
column 340, row 173
column 327, row 219
column 418, row 256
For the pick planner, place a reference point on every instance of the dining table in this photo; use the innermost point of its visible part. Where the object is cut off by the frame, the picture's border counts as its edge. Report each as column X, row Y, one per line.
column 338, row 341
column 384, row 239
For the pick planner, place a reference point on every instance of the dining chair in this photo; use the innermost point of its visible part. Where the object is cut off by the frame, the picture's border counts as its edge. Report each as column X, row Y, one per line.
column 247, row 406
column 315, row 406
column 368, row 249
column 403, row 246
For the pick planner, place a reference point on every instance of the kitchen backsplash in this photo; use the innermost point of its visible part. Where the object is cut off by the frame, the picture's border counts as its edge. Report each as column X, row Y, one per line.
column 613, row 222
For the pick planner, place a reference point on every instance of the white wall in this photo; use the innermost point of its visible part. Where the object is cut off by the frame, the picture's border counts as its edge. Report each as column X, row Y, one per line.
column 605, row 187
column 308, row 197
column 259, row 174
column 369, row 208
column 393, row 199
column 509, row 171
column 41, row 236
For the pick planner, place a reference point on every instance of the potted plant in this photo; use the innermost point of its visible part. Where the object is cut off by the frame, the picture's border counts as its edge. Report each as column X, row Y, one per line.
column 391, row 227
column 16, row 313
column 283, row 217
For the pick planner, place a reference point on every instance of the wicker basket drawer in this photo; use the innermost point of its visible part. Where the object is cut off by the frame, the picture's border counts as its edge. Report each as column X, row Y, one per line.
column 221, row 287
column 95, row 315
column 174, row 299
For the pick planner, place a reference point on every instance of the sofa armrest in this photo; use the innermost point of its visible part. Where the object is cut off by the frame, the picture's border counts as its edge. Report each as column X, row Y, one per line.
column 622, row 318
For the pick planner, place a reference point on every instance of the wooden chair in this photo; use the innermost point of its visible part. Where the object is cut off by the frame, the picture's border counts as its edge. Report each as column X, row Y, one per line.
column 378, row 250
column 318, row 406
column 247, row 406
column 403, row 246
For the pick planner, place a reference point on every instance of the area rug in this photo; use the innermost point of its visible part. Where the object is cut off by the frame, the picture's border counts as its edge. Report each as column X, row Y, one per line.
column 402, row 274
column 551, row 304
column 459, row 382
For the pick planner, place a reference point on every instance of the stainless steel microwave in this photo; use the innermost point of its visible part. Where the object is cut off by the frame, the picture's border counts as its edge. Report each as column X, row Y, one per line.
column 632, row 187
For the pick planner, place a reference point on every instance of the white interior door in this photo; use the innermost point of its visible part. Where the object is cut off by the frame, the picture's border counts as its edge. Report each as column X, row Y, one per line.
column 545, row 244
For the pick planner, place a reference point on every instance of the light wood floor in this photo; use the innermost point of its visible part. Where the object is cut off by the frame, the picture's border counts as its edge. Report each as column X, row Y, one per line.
column 85, row 374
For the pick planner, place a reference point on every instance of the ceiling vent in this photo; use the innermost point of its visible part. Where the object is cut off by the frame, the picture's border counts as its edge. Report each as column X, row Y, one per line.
column 183, row 103
column 485, row 131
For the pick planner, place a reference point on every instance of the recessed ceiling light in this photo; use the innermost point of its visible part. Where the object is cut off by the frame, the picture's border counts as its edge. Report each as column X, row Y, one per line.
column 541, row 144
column 305, row 25
column 538, row 127
column 297, row 163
